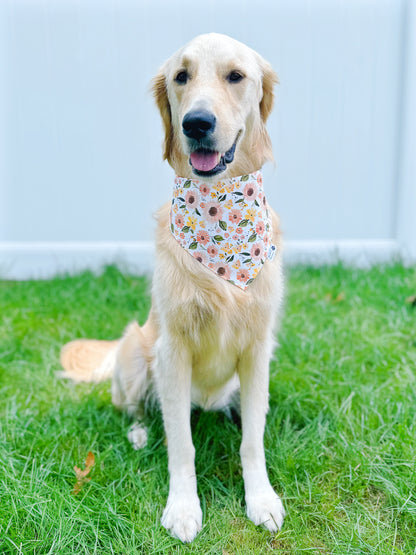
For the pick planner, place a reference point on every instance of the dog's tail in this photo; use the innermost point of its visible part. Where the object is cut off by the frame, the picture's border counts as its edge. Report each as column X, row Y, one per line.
column 89, row 360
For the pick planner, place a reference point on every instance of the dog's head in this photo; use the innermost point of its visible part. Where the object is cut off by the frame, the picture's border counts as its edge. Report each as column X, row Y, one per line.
column 214, row 96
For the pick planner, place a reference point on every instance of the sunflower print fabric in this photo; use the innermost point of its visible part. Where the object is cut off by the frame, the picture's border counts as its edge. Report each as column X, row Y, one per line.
column 225, row 226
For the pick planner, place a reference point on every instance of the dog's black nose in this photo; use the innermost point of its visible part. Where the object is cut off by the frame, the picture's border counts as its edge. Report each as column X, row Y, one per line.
column 198, row 124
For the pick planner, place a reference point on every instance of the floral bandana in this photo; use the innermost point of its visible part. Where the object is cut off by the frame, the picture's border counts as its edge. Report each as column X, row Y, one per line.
column 225, row 226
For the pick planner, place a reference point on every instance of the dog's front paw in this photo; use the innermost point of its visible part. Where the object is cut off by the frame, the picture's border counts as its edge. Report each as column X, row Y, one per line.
column 266, row 508
column 182, row 517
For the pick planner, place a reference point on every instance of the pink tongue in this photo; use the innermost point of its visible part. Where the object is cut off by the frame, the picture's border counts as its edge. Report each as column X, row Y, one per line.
column 204, row 161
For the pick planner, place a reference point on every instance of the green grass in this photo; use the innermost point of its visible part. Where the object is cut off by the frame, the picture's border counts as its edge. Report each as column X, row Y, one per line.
column 340, row 437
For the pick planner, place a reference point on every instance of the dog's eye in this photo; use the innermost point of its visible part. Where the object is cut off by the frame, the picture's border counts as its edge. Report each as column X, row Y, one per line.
column 234, row 77
column 182, row 77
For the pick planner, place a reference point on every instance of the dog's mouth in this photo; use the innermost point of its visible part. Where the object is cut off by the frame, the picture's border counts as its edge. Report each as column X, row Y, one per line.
column 206, row 162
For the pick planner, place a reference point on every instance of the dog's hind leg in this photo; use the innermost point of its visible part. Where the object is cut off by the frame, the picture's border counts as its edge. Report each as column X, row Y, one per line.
column 127, row 361
column 131, row 374
column 132, row 378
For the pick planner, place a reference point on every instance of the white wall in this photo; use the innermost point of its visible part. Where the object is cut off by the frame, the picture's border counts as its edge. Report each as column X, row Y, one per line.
column 405, row 230
column 80, row 139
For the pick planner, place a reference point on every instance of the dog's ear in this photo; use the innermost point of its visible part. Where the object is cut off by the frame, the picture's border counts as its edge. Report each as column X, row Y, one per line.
column 262, row 144
column 270, row 79
column 161, row 96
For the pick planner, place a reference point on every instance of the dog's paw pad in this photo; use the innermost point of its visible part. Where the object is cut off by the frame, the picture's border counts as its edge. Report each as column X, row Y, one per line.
column 266, row 509
column 137, row 436
column 183, row 518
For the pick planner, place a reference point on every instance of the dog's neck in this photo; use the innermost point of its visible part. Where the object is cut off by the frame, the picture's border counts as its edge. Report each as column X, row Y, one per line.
column 224, row 225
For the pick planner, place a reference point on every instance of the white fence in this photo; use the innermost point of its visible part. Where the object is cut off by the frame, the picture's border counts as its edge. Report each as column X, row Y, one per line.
column 80, row 140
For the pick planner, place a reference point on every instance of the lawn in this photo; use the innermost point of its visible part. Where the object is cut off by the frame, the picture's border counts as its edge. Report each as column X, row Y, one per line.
column 340, row 437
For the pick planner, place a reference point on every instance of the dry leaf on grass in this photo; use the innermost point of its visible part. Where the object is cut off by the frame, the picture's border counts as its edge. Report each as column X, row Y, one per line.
column 81, row 475
column 339, row 298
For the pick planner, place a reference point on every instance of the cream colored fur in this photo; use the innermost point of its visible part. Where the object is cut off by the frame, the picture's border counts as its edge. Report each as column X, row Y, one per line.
column 205, row 339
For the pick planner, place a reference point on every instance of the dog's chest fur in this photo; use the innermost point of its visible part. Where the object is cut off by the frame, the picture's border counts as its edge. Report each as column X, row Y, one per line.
column 215, row 346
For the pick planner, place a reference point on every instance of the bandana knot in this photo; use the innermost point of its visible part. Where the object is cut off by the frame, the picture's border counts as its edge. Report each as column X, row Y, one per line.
column 225, row 226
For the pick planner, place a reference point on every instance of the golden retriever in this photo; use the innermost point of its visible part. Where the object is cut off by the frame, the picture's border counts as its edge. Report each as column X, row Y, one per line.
column 207, row 342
